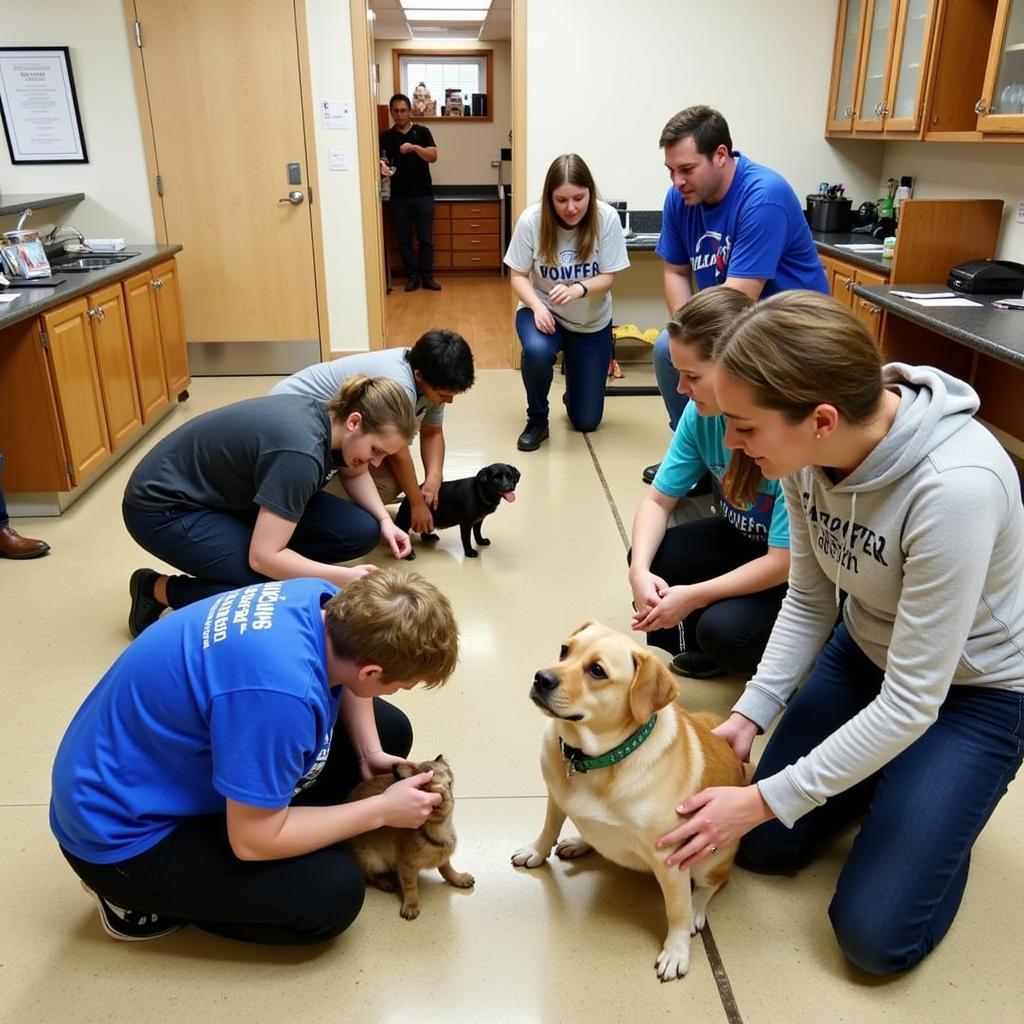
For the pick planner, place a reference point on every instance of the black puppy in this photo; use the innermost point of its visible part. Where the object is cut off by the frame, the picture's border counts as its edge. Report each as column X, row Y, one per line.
column 466, row 503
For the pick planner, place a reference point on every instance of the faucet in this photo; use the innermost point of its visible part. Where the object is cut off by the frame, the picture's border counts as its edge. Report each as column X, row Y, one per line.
column 25, row 214
column 58, row 228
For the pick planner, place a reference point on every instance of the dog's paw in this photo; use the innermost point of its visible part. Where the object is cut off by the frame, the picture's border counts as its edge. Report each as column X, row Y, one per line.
column 673, row 961
column 409, row 557
column 472, row 554
column 432, row 537
column 697, row 922
column 570, row 849
column 385, row 882
column 462, row 880
column 482, row 541
column 410, row 911
column 528, row 857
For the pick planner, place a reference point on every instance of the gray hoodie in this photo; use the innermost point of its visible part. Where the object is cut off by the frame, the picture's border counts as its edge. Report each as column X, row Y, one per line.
column 926, row 536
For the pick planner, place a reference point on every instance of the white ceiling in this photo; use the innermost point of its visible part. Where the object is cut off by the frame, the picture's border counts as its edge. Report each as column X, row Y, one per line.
column 391, row 23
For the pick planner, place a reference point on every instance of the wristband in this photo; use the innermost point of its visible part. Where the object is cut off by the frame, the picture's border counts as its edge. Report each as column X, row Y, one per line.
column 586, row 290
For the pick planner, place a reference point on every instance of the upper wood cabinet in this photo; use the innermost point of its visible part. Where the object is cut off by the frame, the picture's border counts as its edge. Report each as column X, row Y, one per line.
column 878, row 71
column 1001, row 106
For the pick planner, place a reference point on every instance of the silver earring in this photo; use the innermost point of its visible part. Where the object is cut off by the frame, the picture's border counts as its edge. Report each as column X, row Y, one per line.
column 817, row 437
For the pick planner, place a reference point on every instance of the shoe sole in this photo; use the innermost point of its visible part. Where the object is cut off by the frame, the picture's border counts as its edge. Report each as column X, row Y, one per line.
column 707, row 673
column 31, row 554
column 120, row 936
column 531, row 447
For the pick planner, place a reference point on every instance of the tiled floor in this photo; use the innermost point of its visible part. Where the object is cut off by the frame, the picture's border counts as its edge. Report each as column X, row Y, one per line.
column 559, row 945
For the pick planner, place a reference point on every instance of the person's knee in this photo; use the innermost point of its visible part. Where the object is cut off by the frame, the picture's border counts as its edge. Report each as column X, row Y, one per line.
column 717, row 637
column 585, row 423
column 394, row 728
column 363, row 535
column 769, row 849
column 870, row 939
column 334, row 902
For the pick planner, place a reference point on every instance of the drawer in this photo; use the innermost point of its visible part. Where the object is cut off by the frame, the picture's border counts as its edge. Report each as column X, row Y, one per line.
column 475, row 226
column 442, row 260
column 481, row 243
column 473, row 211
column 476, row 260
column 442, row 211
column 442, row 240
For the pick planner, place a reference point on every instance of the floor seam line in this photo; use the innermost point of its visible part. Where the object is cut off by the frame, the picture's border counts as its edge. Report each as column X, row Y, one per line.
column 607, row 491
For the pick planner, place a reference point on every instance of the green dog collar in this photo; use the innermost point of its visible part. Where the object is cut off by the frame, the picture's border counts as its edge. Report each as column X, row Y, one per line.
column 577, row 763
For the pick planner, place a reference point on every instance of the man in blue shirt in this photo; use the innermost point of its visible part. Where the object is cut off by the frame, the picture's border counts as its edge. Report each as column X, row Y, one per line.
column 726, row 220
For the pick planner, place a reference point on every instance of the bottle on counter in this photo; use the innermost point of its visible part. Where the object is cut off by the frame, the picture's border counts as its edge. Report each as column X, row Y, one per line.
column 905, row 190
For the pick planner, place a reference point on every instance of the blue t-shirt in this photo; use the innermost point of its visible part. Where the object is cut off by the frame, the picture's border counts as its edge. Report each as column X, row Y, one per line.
column 757, row 230
column 697, row 446
column 227, row 697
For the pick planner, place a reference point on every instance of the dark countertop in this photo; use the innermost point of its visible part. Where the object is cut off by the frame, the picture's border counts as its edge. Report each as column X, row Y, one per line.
column 12, row 203
column 641, row 243
column 996, row 332
column 32, row 301
column 465, row 193
column 827, row 241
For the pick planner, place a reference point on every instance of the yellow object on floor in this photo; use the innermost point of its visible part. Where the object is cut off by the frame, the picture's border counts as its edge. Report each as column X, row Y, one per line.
column 631, row 331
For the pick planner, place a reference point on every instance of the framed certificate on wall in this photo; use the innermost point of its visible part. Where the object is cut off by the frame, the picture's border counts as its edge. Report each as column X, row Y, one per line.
column 39, row 106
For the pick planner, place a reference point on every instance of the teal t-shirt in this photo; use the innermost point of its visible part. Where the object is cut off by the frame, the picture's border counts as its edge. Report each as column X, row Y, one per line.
column 698, row 445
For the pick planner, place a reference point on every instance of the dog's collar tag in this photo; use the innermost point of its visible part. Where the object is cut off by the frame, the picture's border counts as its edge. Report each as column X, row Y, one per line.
column 577, row 763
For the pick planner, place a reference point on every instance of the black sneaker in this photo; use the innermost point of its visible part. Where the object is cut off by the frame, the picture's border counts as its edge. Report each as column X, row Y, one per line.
column 131, row 925
column 431, row 285
column 532, row 436
column 650, row 473
column 695, row 665
column 412, row 283
column 145, row 608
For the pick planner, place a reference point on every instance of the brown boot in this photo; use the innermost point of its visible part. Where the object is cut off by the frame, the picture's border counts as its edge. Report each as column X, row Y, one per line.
column 13, row 545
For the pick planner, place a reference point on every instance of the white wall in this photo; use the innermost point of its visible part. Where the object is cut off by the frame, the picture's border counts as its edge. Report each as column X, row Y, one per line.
column 116, row 200
column 982, row 170
column 464, row 150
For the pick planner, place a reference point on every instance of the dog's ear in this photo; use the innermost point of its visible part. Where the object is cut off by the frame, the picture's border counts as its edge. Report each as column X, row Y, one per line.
column 652, row 688
column 583, row 625
column 404, row 771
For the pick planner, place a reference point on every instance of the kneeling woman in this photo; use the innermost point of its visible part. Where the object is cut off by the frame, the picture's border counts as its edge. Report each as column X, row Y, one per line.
column 234, row 496
column 708, row 590
column 911, row 717
column 563, row 257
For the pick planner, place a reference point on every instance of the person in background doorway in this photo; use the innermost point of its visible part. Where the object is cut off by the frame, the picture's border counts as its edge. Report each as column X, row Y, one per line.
column 12, row 544
column 407, row 151
column 234, row 496
column 433, row 372
column 906, row 718
column 726, row 220
column 708, row 591
column 563, row 257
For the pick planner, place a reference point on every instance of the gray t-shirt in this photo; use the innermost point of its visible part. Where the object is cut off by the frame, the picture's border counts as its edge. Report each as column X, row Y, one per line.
column 586, row 315
column 272, row 452
column 322, row 380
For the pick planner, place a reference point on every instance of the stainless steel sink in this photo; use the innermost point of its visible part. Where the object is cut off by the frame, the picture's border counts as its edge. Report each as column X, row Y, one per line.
column 83, row 264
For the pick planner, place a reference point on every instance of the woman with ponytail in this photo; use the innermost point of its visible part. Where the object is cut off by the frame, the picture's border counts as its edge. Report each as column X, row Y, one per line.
column 708, row 590
column 233, row 497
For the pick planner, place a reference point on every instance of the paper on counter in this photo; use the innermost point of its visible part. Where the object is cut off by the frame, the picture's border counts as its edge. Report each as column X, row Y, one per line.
column 944, row 302
column 922, row 295
column 10, row 296
column 860, row 246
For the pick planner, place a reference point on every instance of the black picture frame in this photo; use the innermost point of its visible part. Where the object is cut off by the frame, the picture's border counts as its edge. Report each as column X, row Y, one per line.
column 18, row 154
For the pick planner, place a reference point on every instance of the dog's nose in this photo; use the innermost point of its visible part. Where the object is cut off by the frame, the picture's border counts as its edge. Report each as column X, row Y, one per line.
column 545, row 680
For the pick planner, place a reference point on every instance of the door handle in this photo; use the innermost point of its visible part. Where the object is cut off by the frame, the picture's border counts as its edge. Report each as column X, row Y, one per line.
column 295, row 197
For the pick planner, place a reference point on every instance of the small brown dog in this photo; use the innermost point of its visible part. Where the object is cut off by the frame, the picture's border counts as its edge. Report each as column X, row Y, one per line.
column 393, row 857
column 619, row 756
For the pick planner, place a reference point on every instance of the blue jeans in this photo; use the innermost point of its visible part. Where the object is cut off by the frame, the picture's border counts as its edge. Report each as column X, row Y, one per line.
column 212, row 546
column 668, row 380
column 903, row 882
column 586, row 359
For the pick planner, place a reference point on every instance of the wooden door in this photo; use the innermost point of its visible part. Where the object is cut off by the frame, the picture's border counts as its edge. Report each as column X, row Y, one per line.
column 77, row 388
column 904, row 100
column 866, row 310
column 876, row 55
column 842, row 283
column 172, row 334
column 1001, row 108
column 115, row 363
column 845, row 64
column 140, row 304
column 224, row 96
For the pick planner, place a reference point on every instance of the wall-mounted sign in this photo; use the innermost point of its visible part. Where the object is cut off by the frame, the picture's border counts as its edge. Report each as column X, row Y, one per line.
column 39, row 106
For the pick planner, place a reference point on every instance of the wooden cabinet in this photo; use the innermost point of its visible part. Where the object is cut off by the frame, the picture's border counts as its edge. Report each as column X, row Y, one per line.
column 842, row 277
column 1001, row 107
column 878, row 79
column 78, row 382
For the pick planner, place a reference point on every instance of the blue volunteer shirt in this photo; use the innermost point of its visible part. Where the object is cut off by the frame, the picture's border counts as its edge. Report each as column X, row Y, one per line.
column 758, row 230
column 697, row 446
column 228, row 697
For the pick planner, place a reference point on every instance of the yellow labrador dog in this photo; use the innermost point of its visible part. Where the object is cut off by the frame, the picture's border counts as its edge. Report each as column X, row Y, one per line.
column 618, row 758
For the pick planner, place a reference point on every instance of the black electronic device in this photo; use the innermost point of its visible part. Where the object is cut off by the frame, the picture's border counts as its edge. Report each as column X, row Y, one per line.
column 987, row 277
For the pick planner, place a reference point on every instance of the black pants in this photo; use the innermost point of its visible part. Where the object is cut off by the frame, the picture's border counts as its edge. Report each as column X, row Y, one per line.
column 419, row 213
column 193, row 875
column 732, row 633
column 213, row 546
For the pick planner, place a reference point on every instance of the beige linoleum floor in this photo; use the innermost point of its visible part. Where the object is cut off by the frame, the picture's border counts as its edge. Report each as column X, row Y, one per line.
column 566, row 943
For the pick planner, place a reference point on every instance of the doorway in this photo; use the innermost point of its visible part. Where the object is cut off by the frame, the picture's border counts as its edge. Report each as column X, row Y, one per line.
column 234, row 215
column 472, row 183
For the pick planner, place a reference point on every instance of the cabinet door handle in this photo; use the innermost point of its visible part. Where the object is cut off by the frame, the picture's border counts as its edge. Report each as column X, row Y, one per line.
column 848, row 112
column 875, row 310
column 156, row 285
column 981, row 107
column 885, row 110
column 848, row 283
column 97, row 313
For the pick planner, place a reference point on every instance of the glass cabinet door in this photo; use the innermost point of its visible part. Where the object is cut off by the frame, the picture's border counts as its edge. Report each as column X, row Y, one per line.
column 877, row 42
column 907, row 75
column 1002, row 107
column 840, row 116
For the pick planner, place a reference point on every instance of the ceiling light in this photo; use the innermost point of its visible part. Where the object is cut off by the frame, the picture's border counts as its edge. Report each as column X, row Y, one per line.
column 445, row 5
column 445, row 14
